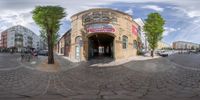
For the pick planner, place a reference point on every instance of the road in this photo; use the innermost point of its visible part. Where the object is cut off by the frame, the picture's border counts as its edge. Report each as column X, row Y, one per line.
column 156, row 79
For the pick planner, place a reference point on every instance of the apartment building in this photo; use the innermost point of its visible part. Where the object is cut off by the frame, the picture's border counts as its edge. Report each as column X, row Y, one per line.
column 19, row 37
column 183, row 45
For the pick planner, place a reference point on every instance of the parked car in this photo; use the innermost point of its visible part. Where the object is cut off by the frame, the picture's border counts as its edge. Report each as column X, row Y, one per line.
column 163, row 54
column 43, row 52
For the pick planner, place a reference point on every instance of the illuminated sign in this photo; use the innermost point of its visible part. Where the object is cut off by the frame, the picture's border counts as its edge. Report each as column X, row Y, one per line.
column 98, row 28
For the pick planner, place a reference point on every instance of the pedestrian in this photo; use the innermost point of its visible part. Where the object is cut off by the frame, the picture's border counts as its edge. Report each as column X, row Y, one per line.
column 22, row 55
column 28, row 55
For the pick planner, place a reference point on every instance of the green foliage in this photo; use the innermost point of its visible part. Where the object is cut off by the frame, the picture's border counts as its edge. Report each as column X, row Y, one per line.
column 154, row 29
column 48, row 19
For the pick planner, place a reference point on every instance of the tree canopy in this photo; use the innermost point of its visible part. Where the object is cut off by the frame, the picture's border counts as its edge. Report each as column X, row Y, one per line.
column 154, row 29
column 48, row 19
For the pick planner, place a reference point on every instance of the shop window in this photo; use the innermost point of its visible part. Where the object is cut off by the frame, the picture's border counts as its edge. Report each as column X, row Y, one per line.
column 124, row 42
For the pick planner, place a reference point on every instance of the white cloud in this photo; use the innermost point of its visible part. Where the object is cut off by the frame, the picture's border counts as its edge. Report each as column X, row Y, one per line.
column 189, row 33
column 153, row 7
column 18, row 11
column 169, row 30
column 11, row 18
column 193, row 13
column 129, row 11
column 197, row 20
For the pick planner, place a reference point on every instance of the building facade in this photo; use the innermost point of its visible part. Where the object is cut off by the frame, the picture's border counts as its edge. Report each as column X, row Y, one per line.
column 141, row 34
column 63, row 44
column 183, row 45
column 163, row 45
column 4, row 39
column 101, row 32
column 19, row 37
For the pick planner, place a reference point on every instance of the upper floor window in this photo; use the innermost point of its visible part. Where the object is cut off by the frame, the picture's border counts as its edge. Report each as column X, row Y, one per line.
column 124, row 42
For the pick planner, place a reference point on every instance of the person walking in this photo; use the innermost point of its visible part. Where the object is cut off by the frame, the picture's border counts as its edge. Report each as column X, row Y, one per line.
column 22, row 55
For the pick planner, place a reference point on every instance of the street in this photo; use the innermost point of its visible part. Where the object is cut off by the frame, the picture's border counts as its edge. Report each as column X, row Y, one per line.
column 155, row 79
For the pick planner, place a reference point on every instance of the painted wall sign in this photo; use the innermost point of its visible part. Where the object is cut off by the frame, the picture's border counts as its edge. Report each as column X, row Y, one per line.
column 95, row 28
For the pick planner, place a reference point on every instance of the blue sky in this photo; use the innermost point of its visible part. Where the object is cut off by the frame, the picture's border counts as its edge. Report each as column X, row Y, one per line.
column 182, row 17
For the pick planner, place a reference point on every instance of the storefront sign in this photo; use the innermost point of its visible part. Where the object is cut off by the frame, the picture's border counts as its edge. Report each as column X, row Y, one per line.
column 96, row 28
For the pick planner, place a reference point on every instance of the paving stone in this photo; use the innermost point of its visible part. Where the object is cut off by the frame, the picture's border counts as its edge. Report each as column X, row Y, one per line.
column 156, row 79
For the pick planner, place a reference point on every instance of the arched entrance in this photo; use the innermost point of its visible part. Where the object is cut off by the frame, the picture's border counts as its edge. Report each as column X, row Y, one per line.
column 100, row 45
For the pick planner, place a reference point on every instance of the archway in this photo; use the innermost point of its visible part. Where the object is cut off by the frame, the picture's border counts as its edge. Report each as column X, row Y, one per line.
column 100, row 45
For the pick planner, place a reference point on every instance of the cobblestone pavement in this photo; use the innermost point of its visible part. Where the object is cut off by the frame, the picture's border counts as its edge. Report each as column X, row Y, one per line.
column 194, row 62
column 156, row 79
column 13, row 63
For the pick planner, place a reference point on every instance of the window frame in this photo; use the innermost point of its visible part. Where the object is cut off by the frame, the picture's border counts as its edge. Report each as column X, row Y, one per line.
column 124, row 42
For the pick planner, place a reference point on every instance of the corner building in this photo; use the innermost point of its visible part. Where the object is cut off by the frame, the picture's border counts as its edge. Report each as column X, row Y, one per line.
column 103, row 32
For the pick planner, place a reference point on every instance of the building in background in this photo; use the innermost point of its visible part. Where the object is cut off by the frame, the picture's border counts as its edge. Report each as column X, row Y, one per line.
column 100, row 32
column 4, row 39
column 163, row 45
column 1, row 43
column 183, row 45
column 63, row 45
column 19, row 37
column 141, row 34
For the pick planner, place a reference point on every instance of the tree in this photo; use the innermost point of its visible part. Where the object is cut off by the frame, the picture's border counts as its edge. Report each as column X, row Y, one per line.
column 154, row 29
column 48, row 19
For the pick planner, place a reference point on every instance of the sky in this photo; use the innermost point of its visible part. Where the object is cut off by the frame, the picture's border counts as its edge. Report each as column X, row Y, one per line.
column 182, row 16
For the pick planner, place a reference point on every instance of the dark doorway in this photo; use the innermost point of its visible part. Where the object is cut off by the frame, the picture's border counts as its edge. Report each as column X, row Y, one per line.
column 100, row 45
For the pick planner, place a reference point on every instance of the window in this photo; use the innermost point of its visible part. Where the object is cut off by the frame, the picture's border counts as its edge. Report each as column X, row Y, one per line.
column 78, row 40
column 105, row 18
column 124, row 42
column 96, row 18
column 139, row 30
column 135, row 44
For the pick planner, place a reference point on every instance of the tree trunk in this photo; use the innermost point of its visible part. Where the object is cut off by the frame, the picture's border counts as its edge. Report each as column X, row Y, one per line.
column 152, row 53
column 50, row 49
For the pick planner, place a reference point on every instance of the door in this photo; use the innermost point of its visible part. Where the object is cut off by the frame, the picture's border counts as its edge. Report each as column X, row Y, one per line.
column 78, row 53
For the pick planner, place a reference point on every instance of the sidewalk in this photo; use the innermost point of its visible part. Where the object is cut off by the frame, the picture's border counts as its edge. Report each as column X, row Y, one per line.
column 123, row 61
column 106, row 62
column 40, row 64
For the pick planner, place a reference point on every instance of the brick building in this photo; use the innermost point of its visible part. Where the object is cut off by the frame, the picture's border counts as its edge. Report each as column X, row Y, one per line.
column 100, row 32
